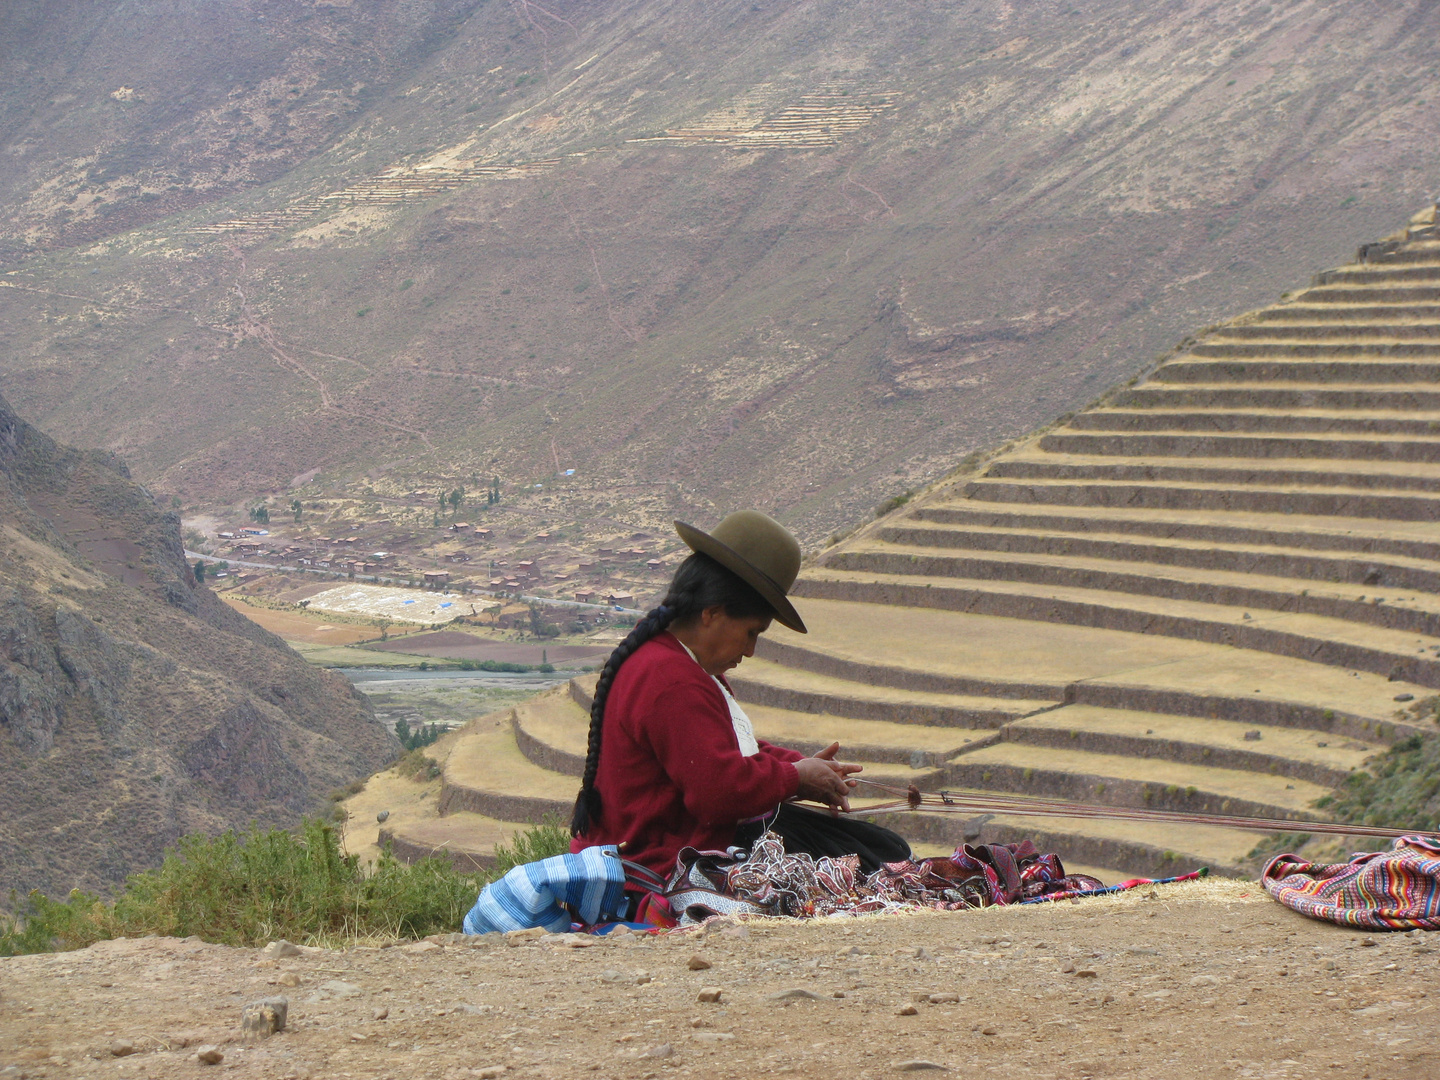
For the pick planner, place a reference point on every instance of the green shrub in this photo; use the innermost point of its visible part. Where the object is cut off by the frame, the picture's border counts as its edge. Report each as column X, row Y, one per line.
column 246, row 889
column 494, row 665
column 550, row 837
column 1399, row 789
column 893, row 503
column 418, row 738
column 249, row 888
column 416, row 765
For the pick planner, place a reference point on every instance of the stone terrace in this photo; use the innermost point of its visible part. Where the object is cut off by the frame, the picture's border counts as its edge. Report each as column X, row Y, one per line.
column 1207, row 593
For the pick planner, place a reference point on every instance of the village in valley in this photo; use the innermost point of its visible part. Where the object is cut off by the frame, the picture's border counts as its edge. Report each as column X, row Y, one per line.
column 435, row 560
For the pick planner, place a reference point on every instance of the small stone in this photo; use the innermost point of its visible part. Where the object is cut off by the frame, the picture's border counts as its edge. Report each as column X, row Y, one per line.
column 1252, row 736
column 664, row 1050
column 1067, row 968
column 382, row 1013
column 122, row 1048
column 209, row 1055
column 698, row 963
column 906, row 1010
column 641, row 978
column 381, row 816
column 288, row 978
column 613, row 976
column 489, row 1072
column 416, row 947
column 838, row 994
column 987, row 1031
column 944, row 999
column 524, row 937
column 795, row 994
column 1204, row 980
column 919, row 1065
column 1404, row 697
column 1090, row 973
column 1367, row 943
column 279, row 950
column 710, row 995
column 263, row 1018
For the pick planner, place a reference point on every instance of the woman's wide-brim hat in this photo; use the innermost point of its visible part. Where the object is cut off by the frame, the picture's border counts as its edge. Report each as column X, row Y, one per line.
column 757, row 549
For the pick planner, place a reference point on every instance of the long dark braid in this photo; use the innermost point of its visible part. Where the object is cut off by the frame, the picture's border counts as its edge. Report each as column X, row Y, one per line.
column 699, row 583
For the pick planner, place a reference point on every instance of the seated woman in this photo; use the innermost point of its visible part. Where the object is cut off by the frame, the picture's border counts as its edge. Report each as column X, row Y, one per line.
column 673, row 760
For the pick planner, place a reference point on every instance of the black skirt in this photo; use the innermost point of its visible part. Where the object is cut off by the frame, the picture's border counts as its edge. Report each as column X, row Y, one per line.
column 818, row 833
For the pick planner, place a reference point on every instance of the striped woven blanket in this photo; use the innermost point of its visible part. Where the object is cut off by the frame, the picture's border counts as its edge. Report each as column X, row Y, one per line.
column 1397, row 889
column 591, row 884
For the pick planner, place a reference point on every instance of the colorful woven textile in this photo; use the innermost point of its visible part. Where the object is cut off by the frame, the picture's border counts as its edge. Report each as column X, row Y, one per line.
column 1124, row 886
column 591, row 884
column 772, row 882
column 797, row 885
column 1397, row 889
column 979, row 876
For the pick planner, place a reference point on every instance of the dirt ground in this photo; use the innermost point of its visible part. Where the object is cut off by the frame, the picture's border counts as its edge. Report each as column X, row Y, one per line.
column 297, row 626
column 1205, row 979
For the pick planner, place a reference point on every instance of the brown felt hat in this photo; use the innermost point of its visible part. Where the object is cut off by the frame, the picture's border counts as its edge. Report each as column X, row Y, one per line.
column 760, row 551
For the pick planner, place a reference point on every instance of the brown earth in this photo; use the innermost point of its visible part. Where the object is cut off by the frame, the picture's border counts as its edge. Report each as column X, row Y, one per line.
column 1204, row 980
column 293, row 626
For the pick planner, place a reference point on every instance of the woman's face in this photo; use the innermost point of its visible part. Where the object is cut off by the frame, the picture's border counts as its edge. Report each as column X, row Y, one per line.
column 721, row 641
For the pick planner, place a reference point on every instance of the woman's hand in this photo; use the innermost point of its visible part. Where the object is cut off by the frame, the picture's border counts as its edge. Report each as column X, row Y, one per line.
column 823, row 779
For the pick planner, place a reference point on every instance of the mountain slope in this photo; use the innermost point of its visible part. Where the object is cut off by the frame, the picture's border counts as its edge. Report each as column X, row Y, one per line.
column 710, row 254
column 134, row 706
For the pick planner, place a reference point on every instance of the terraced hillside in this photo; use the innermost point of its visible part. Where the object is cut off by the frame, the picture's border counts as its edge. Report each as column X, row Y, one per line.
column 1208, row 593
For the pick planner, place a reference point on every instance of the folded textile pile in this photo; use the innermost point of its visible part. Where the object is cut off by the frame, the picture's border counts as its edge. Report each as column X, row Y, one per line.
column 1397, row 889
column 772, row 882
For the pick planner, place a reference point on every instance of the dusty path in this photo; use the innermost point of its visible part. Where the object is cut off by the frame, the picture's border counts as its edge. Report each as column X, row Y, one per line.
column 1211, row 979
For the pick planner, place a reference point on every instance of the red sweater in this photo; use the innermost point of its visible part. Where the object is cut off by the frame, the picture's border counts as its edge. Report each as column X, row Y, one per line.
column 671, row 773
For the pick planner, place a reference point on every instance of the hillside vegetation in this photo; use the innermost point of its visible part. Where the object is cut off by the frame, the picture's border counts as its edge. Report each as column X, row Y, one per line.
column 706, row 254
column 135, row 707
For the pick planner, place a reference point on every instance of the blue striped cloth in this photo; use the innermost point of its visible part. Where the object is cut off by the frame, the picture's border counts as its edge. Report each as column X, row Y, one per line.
column 592, row 883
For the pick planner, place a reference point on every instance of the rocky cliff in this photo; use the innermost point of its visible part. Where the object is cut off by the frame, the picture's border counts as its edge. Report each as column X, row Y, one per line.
column 134, row 706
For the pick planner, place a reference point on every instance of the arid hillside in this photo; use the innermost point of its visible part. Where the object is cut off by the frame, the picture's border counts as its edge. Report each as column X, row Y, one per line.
column 704, row 254
column 134, row 706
